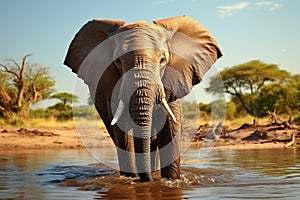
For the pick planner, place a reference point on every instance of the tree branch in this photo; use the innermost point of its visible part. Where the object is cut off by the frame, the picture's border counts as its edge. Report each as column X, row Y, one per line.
column 244, row 105
column 15, row 63
column 9, row 71
column 23, row 65
column 260, row 85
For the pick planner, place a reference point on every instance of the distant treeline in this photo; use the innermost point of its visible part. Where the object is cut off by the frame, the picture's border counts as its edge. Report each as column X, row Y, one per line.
column 254, row 88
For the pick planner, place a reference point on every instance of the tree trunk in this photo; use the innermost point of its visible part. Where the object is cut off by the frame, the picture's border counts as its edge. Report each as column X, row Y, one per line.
column 21, row 91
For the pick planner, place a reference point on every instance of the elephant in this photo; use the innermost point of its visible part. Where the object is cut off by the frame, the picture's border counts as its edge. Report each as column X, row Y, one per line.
column 137, row 73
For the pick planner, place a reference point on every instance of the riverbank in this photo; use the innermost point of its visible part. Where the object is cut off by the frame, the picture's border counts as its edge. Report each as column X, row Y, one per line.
column 247, row 137
column 41, row 138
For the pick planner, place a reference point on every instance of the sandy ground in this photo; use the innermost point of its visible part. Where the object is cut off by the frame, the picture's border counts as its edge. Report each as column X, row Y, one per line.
column 68, row 138
column 42, row 138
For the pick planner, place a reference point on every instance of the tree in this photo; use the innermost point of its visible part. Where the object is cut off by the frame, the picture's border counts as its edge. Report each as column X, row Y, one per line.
column 282, row 98
column 62, row 110
column 65, row 97
column 25, row 85
column 244, row 81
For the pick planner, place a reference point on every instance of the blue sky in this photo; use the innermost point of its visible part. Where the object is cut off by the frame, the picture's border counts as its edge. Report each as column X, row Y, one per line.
column 245, row 30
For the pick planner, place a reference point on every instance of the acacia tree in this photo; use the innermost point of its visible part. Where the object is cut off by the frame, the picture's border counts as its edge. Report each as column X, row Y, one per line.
column 279, row 98
column 62, row 110
column 25, row 85
column 65, row 98
column 245, row 81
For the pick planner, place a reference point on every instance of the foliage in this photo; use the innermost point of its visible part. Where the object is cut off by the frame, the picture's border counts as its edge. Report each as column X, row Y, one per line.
column 220, row 108
column 230, row 110
column 239, row 109
column 13, row 119
column 62, row 111
column 190, row 110
column 65, row 97
column 205, row 107
column 22, row 85
column 85, row 111
column 245, row 81
column 38, row 113
column 282, row 98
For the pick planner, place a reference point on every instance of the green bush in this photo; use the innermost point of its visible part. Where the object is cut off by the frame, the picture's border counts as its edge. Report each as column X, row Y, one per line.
column 13, row 119
column 38, row 113
column 64, row 115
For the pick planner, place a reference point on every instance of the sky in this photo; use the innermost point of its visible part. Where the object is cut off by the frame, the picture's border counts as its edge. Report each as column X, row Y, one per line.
column 245, row 31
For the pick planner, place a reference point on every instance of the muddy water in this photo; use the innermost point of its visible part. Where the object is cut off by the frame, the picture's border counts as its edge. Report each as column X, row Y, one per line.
column 223, row 174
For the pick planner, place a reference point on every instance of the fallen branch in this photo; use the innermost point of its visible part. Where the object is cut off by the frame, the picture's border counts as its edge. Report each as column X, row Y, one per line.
column 275, row 120
column 293, row 142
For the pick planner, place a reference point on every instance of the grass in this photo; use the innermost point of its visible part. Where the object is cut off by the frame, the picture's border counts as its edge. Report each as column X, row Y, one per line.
column 49, row 122
column 235, row 122
column 36, row 122
column 86, row 122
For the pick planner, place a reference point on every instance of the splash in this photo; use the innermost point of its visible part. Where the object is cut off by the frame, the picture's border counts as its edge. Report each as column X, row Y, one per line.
column 106, row 181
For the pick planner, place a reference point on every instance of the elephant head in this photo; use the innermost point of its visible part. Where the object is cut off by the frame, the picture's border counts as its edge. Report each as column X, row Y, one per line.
column 154, row 64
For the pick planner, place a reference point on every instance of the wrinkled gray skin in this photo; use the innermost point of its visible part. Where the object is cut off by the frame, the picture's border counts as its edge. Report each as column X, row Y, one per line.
column 148, row 63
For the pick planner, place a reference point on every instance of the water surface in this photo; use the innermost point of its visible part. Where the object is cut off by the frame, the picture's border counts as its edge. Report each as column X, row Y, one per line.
column 223, row 174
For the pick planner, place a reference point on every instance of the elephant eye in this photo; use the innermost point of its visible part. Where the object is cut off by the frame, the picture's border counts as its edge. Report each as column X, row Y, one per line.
column 118, row 62
column 163, row 61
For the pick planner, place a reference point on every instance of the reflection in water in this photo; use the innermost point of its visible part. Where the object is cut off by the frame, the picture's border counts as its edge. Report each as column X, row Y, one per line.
column 226, row 174
column 142, row 191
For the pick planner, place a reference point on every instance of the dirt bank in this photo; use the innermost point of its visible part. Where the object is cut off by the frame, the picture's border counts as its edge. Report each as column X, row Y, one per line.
column 42, row 138
column 247, row 136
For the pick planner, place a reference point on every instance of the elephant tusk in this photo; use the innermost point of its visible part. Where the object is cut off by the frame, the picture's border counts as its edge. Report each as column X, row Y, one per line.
column 168, row 109
column 118, row 113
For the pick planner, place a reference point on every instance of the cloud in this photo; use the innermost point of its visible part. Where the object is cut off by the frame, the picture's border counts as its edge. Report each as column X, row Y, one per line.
column 224, row 11
column 269, row 4
column 263, row 3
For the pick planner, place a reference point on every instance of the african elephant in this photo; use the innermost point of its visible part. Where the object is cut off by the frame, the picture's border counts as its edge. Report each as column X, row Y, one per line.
column 136, row 75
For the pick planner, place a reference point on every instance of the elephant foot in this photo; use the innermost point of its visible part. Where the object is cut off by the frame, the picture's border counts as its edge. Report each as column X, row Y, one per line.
column 171, row 171
column 145, row 177
column 171, row 175
column 128, row 174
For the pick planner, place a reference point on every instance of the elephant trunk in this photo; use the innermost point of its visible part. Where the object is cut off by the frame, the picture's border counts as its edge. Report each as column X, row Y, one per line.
column 140, row 108
column 141, row 89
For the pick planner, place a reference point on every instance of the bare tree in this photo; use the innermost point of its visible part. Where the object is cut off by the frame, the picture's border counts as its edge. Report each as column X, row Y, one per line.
column 29, row 82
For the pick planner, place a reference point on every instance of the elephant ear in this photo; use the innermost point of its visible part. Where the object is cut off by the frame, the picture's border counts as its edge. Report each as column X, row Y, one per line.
column 193, row 51
column 90, row 52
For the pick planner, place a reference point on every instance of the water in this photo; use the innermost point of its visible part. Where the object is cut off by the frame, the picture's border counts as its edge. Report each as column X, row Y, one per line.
column 223, row 174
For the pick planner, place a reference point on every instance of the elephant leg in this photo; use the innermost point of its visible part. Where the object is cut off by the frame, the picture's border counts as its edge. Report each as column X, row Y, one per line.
column 154, row 156
column 169, row 145
column 125, row 151
column 169, row 153
column 122, row 140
